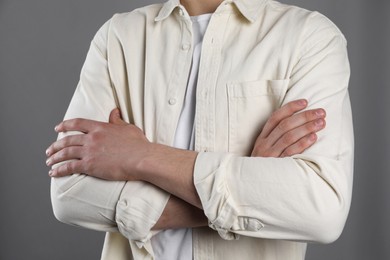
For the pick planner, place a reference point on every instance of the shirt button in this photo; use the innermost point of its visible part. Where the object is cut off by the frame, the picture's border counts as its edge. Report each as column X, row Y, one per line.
column 185, row 46
column 172, row 101
column 124, row 203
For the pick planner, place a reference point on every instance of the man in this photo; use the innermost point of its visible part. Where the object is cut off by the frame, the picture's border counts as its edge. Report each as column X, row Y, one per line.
column 254, row 176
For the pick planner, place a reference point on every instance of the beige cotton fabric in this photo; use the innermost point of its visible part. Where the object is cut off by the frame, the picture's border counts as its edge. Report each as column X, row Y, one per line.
column 257, row 55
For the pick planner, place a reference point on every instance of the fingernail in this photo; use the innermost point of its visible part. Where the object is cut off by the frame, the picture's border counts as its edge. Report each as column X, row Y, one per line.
column 319, row 122
column 320, row 112
column 302, row 102
column 48, row 162
column 51, row 173
column 47, row 152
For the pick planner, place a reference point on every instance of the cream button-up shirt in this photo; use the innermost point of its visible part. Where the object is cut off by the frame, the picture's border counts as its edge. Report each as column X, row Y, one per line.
column 256, row 56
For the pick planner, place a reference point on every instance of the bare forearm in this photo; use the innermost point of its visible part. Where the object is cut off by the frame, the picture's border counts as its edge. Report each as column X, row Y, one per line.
column 180, row 214
column 121, row 152
column 171, row 169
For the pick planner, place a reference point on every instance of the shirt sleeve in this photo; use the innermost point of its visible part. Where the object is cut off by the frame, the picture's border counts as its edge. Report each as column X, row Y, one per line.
column 305, row 197
column 130, row 207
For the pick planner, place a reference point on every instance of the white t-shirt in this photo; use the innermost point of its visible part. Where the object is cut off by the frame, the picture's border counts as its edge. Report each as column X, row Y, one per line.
column 177, row 243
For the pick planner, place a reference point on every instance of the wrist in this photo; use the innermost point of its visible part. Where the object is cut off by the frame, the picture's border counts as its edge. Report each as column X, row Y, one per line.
column 145, row 164
column 171, row 169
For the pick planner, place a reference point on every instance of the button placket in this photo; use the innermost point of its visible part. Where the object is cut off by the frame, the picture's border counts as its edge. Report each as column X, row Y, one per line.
column 207, row 82
column 177, row 85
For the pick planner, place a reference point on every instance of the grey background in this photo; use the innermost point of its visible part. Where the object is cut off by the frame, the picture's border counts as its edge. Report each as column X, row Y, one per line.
column 43, row 44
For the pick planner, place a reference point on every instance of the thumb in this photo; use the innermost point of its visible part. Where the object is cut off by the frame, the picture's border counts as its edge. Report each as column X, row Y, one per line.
column 115, row 117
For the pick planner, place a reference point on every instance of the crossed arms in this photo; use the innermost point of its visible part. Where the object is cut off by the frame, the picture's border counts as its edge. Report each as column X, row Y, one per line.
column 118, row 151
column 298, row 193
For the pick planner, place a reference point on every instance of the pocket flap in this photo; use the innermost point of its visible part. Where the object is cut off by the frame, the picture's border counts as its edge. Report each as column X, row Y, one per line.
column 257, row 88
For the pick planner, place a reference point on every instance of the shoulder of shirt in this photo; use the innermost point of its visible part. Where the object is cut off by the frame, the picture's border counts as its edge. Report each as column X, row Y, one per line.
column 121, row 22
column 310, row 22
column 141, row 14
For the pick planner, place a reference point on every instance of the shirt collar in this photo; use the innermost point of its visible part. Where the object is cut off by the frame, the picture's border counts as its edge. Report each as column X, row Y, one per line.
column 250, row 9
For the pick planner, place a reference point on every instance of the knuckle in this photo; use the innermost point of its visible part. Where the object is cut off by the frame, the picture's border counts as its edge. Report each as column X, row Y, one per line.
column 77, row 122
column 302, row 144
column 273, row 119
column 96, row 136
column 98, row 128
column 56, row 157
column 101, row 128
column 61, row 155
column 310, row 127
column 62, row 170
column 288, row 138
column 71, row 167
column 68, row 167
column 71, row 123
column 65, row 141
column 288, row 152
column 309, row 115
column 89, row 163
column 284, row 125
column 70, row 152
column 291, row 107
column 295, row 149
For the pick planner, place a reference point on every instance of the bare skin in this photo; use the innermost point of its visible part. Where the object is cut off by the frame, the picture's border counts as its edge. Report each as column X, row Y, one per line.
column 179, row 214
column 120, row 151
column 198, row 7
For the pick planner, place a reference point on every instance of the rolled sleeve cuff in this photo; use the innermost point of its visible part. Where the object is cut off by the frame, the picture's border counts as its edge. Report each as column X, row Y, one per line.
column 210, row 183
column 138, row 210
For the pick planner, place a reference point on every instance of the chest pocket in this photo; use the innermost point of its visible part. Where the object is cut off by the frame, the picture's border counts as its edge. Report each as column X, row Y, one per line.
column 250, row 105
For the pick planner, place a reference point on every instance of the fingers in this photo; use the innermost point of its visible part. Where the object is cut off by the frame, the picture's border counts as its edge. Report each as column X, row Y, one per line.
column 315, row 117
column 65, row 149
column 66, row 154
column 86, row 125
column 72, row 140
column 300, row 146
column 285, row 111
column 78, row 124
column 289, row 140
column 67, row 168
column 116, row 118
column 289, row 130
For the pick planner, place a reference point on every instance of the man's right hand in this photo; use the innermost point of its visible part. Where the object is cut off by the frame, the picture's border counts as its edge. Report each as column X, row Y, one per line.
column 288, row 131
